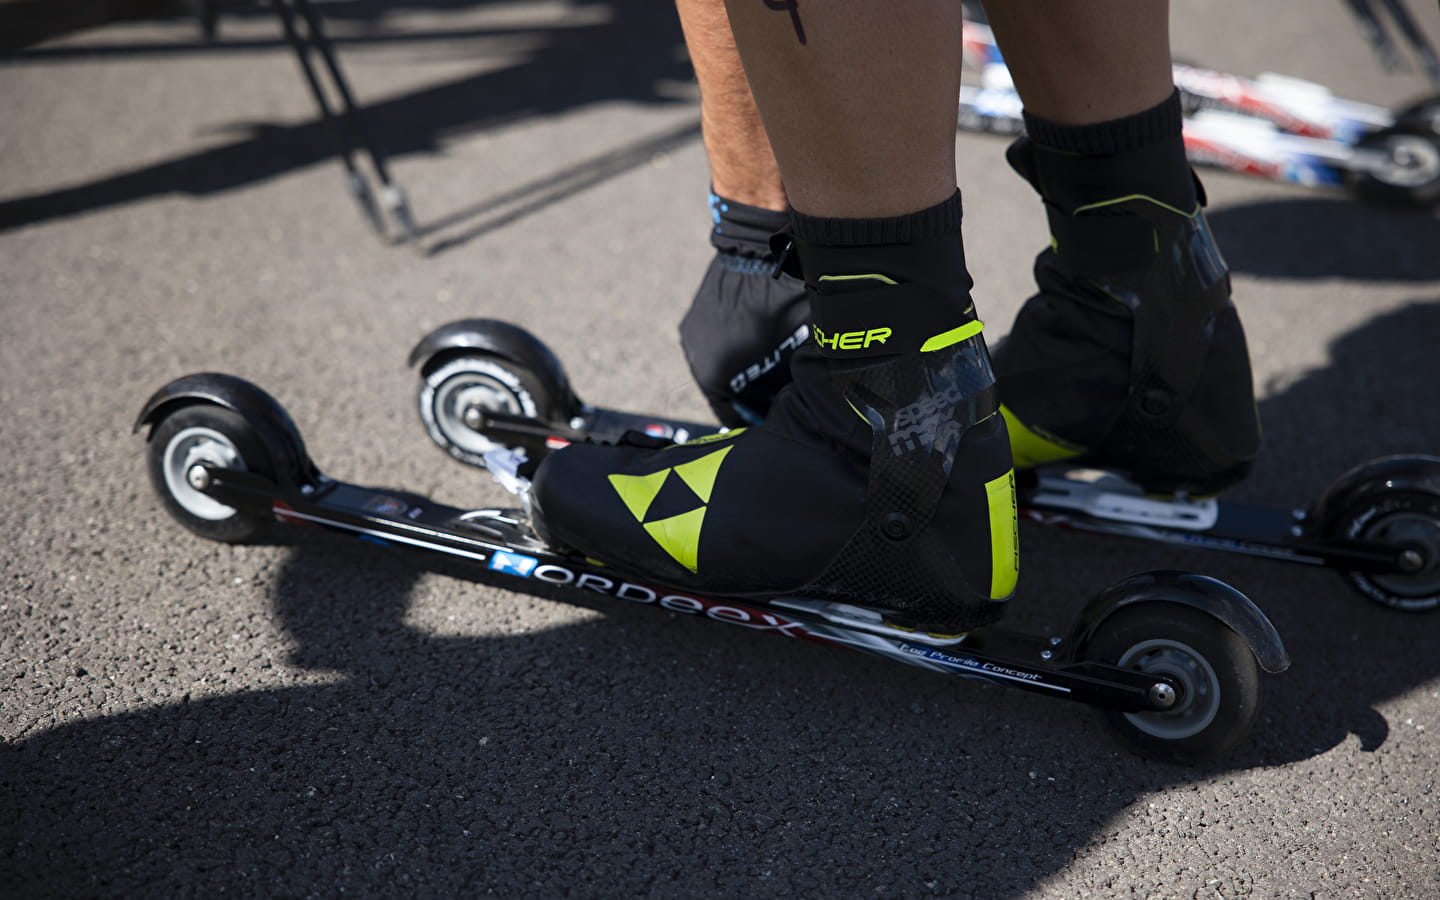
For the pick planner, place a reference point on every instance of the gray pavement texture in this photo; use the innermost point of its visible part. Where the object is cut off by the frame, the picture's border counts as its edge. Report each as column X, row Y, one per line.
column 312, row 717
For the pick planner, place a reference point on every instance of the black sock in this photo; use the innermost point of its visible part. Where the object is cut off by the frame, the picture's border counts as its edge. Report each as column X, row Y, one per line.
column 743, row 230
column 1077, row 165
column 923, row 247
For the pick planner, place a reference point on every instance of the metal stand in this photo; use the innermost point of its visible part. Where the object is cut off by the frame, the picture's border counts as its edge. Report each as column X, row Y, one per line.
column 349, row 125
column 1385, row 47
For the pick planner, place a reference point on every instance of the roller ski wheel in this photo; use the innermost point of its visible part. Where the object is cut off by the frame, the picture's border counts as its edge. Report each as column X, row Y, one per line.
column 188, row 442
column 1408, row 519
column 487, row 386
column 1403, row 168
column 457, row 395
column 478, row 371
column 1213, row 674
column 1393, row 502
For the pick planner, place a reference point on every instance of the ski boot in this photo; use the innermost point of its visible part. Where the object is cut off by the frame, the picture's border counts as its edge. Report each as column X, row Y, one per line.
column 881, row 477
column 1131, row 357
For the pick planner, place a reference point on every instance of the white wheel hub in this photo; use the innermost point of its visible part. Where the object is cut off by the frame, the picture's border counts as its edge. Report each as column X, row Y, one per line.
column 188, row 449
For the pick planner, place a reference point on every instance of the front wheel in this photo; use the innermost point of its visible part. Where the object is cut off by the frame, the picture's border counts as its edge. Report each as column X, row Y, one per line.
column 192, row 437
column 1408, row 520
column 1213, row 672
column 1402, row 168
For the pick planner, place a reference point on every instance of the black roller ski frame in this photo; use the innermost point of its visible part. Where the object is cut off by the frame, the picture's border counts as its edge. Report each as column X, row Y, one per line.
column 1172, row 659
column 487, row 384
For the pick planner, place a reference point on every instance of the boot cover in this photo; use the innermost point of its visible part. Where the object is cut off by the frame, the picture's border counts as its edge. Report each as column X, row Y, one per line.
column 1131, row 356
column 744, row 322
column 740, row 332
column 881, row 477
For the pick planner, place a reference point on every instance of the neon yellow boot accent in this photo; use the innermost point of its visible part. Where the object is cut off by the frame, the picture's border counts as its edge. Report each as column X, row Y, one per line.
column 710, row 438
column 953, row 336
column 679, row 536
column 639, row 491
column 700, row 473
column 883, row 279
column 1004, row 536
column 1029, row 448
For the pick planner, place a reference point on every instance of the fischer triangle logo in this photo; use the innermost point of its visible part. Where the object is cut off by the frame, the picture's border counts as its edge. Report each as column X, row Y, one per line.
column 678, row 534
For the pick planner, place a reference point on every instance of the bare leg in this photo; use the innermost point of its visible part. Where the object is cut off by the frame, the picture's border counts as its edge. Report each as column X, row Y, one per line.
column 743, row 325
column 1079, row 62
column 844, row 122
column 862, row 115
column 742, row 166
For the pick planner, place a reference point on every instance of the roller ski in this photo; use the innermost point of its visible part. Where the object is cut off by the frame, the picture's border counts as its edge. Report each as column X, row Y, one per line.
column 1272, row 126
column 487, row 385
column 1172, row 660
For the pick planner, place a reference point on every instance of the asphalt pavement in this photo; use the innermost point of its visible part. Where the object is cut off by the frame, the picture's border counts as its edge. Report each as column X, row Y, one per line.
column 314, row 717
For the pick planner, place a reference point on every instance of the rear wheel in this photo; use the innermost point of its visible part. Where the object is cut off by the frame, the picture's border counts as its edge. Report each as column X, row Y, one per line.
column 457, row 391
column 1213, row 673
column 182, row 445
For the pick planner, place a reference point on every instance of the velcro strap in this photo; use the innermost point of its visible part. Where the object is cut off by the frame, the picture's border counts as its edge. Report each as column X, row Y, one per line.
column 884, row 320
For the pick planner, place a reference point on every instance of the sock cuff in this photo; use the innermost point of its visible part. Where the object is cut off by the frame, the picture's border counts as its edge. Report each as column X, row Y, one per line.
column 935, row 221
column 743, row 229
column 1152, row 126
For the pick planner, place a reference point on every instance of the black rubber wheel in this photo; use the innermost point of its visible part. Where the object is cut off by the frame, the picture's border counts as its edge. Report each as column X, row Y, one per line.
column 453, row 383
column 1410, row 521
column 205, row 433
column 1217, row 675
column 1410, row 175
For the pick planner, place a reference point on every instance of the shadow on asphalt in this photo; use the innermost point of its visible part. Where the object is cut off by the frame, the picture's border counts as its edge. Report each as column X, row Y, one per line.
column 644, row 753
column 571, row 66
column 1328, row 237
column 494, row 213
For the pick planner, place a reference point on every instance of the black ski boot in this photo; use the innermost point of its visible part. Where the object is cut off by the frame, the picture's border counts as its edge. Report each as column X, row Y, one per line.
column 881, row 477
column 1131, row 357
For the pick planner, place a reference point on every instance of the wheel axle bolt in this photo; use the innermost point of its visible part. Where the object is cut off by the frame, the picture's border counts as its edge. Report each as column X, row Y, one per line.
column 1411, row 561
column 199, row 478
column 473, row 418
column 1162, row 695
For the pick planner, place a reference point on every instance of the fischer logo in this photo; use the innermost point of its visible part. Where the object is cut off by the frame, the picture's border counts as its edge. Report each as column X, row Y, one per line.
column 852, row 340
column 523, row 566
